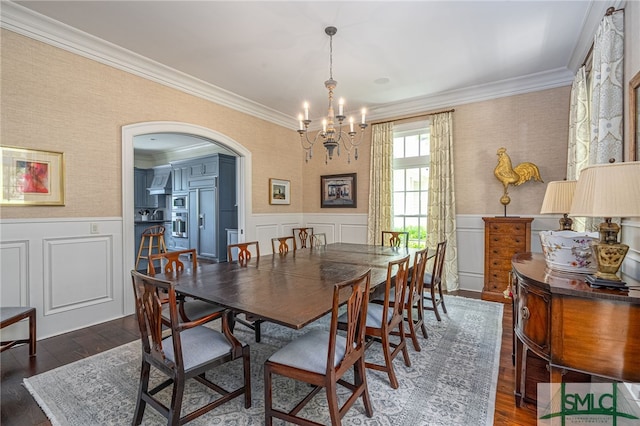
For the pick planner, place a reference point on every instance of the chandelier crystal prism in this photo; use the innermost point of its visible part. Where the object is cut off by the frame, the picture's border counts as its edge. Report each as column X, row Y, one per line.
column 332, row 136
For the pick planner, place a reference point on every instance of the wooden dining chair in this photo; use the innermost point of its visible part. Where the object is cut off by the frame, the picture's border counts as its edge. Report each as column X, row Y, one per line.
column 413, row 299
column 189, row 308
column 241, row 252
column 433, row 282
column 384, row 319
column 10, row 315
column 188, row 352
column 303, row 235
column 395, row 239
column 243, row 257
column 283, row 245
column 323, row 357
column 318, row 240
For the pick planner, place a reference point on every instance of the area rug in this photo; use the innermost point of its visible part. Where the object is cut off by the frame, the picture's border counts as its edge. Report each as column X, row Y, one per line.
column 452, row 381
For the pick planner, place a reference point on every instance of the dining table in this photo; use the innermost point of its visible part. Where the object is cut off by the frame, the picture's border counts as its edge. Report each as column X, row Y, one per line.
column 292, row 289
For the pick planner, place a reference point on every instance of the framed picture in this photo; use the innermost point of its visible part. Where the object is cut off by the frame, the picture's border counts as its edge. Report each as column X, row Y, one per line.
column 338, row 190
column 31, row 177
column 279, row 191
column 634, row 118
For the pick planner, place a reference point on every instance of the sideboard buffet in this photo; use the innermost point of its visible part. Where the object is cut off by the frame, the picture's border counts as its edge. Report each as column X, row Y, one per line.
column 565, row 330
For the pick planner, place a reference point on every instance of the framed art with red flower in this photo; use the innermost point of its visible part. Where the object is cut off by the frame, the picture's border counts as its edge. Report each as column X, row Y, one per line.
column 31, row 177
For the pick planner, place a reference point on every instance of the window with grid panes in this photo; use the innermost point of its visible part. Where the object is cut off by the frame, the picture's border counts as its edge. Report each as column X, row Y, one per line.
column 411, row 181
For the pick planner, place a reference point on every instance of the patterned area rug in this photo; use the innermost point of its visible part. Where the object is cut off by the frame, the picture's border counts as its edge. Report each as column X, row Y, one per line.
column 452, row 381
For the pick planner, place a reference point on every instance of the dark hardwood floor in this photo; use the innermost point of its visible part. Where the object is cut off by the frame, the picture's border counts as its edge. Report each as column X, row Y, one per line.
column 20, row 409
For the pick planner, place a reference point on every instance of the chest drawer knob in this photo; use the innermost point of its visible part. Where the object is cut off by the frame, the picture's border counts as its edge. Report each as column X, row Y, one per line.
column 524, row 311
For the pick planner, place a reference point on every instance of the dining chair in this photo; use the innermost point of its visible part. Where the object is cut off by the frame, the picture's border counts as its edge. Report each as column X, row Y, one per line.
column 384, row 319
column 303, row 234
column 318, row 240
column 241, row 252
column 10, row 315
column 243, row 256
column 413, row 299
column 321, row 358
column 395, row 239
column 433, row 282
column 283, row 244
column 189, row 308
column 187, row 353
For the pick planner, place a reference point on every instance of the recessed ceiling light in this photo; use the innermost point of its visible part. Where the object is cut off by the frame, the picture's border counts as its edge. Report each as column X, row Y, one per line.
column 382, row 80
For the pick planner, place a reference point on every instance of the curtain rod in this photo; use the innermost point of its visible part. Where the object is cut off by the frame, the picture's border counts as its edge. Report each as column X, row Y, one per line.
column 413, row 116
column 610, row 11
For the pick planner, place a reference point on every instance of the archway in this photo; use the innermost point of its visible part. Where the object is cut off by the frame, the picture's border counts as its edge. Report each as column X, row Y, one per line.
column 243, row 177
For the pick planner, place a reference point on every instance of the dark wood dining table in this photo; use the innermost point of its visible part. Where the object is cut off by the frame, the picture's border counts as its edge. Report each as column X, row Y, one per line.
column 293, row 289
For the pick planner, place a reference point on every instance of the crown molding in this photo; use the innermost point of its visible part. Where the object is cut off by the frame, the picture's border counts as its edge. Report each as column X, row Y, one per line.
column 24, row 21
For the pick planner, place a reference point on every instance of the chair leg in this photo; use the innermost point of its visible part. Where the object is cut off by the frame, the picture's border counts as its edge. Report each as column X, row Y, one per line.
column 246, row 366
column 32, row 333
column 444, row 308
column 176, row 400
column 386, row 350
column 421, row 317
column 412, row 329
column 143, row 388
column 403, row 345
column 332, row 400
column 360, row 376
column 268, row 420
column 256, row 326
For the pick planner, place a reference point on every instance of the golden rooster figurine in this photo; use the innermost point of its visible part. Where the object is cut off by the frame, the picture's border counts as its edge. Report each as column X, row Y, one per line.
column 517, row 175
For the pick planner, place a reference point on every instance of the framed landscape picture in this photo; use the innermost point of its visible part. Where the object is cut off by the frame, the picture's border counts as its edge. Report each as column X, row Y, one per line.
column 279, row 191
column 338, row 190
column 31, row 177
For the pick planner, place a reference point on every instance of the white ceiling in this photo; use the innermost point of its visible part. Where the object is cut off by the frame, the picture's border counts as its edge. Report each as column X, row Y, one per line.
column 392, row 57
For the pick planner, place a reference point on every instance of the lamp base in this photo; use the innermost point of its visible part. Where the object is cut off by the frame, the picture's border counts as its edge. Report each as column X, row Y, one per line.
column 596, row 282
column 609, row 258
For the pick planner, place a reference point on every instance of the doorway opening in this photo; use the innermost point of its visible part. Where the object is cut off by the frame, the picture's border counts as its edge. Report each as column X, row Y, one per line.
column 243, row 182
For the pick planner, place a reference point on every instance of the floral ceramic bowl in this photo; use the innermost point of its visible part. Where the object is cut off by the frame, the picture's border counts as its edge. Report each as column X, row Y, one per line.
column 569, row 251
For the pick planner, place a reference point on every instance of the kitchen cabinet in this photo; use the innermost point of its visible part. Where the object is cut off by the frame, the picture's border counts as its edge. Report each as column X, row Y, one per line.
column 142, row 179
column 212, row 205
column 180, row 178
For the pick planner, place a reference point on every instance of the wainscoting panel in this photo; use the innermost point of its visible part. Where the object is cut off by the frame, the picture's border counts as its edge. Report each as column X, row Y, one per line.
column 72, row 277
column 67, row 288
column 13, row 263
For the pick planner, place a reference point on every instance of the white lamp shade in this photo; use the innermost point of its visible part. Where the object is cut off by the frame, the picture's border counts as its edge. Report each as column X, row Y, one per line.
column 558, row 197
column 608, row 190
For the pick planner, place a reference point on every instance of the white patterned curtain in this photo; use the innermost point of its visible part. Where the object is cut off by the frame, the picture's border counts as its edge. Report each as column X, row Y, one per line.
column 579, row 133
column 607, row 90
column 380, row 182
column 441, row 220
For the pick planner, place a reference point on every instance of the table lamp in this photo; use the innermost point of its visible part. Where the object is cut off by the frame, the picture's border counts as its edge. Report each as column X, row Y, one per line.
column 608, row 190
column 557, row 199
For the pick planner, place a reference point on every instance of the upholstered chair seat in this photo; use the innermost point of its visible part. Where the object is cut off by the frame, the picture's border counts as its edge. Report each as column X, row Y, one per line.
column 309, row 352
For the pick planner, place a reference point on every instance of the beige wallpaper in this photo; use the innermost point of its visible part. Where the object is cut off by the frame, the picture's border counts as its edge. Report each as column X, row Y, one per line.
column 53, row 99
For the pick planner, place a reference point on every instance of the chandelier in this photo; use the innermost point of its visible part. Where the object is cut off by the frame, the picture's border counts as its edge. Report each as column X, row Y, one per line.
column 332, row 137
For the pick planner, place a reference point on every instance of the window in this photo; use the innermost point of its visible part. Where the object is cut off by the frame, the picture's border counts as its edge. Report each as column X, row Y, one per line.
column 411, row 181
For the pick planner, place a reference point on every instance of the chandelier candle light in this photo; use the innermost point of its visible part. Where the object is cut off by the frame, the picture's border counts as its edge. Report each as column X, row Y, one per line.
column 332, row 136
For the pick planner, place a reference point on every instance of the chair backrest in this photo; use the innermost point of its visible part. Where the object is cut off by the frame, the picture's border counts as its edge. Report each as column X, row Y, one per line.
column 303, row 235
column 356, row 308
column 438, row 263
column 395, row 239
column 416, row 285
column 243, row 250
column 318, row 240
column 396, row 284
column 148, row 303
column 283, row 244
column 171, row 261
column 154, row 230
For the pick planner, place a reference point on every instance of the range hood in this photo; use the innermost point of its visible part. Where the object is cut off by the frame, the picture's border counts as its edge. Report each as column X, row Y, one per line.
column 161, row 183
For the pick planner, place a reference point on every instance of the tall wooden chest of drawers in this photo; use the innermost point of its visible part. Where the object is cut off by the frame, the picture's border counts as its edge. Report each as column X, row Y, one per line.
column 503, row 237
